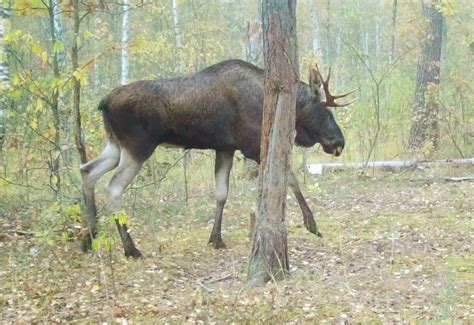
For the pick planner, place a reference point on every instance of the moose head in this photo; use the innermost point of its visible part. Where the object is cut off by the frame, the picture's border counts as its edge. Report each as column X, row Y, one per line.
column 315, row 122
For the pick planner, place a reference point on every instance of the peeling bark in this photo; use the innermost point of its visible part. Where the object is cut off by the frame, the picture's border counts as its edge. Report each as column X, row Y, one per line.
column 269, row 257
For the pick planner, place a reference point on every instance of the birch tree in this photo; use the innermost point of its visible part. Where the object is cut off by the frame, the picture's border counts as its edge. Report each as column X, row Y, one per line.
column 269, row 256
column 4, row 69
column 176, row 28
column 125, row 57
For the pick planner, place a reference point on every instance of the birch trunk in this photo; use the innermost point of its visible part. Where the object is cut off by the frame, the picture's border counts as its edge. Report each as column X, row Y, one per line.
column 125, row 57
column 313, row 17
column 4, row 70
column 177, row 31
column 269, row 257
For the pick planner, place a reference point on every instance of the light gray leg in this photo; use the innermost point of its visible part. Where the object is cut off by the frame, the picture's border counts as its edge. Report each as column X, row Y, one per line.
column 222, row 171
column 91, row 172
column 126, row 171
column 308, row 218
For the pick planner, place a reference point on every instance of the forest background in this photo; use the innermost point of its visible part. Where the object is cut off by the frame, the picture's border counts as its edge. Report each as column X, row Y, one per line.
column 59, row 58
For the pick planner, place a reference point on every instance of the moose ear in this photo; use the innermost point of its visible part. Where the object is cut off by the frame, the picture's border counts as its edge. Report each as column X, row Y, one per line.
column 314, row 81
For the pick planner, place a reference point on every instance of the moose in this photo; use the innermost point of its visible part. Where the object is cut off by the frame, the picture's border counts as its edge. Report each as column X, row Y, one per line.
column 219, row 108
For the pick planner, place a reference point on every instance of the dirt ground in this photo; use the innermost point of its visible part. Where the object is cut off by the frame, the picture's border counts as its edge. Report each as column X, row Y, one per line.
column 396, row 248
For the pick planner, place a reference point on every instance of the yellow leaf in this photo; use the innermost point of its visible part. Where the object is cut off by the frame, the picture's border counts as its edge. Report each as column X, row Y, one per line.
column 77, row 74
column 39, row 105
column 88, row 34
column 36, row 49
column 34, row 123
column 58, row 46
column 44, row 57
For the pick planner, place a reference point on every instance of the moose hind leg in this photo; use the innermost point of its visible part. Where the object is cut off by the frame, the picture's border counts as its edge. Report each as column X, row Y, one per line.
column 222, row 169
column 91, row 172
column 126, row 171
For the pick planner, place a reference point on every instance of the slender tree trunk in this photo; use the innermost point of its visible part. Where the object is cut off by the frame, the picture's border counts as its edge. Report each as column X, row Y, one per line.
column 94, row 49
column 55, row 155
column 253, row 54
column 177, row 31
column 125, row 58
column 4, row 70
column 425, row 113
column 269, row 257
column 77, row 88
column 328, row 34
column 394, row 22
column 313, row 17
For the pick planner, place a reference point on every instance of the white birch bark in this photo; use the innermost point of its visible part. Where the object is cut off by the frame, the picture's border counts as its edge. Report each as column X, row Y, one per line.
column 4, row 69
column 59, row 31
column 313, row 17
column 125, row 58
column 177, row 31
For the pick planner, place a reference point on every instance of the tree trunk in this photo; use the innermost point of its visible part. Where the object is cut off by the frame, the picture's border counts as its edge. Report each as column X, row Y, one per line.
column 125, row 58
column 269, row 257
column 394, row 21
column 77, row 88
column 55, row 155
column 253, row 48
column 4, row 70
column 313, row 18
column 328, row 34
column 177, row 32
column 425, row 113
column 253, row 53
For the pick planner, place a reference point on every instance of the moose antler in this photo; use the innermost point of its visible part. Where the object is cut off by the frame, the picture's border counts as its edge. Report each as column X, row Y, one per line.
column 331, row 99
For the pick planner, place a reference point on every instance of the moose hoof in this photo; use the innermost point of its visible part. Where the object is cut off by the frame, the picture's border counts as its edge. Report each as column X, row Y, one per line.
column 310, row 224
column 217, row 242
column 135, row 253
column 86, row 243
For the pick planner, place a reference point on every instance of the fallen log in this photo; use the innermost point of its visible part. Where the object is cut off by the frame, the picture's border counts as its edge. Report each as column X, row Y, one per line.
column 317, row 169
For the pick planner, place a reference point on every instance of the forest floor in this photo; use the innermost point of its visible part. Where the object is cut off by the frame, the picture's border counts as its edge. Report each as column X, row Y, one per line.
column 396, row 247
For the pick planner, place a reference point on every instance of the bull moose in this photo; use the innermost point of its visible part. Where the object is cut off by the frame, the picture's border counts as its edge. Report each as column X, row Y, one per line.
column 219, row 108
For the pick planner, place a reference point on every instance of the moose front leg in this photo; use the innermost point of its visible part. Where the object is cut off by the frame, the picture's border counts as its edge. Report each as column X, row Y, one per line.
column 308, row 218
column 222, row 169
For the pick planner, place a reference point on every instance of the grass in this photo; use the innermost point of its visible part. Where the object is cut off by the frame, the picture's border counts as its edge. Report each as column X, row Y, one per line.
column 396, row 249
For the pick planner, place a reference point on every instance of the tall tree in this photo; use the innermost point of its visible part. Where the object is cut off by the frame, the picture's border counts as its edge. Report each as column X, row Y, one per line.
column 77, row 86
column 394, row 22
column 177, row 31
column 425, row 113
column 55, row 180
column 329, row 44
column 4, row 69
column 125, row 58
column 313, row 17
column 269, row 257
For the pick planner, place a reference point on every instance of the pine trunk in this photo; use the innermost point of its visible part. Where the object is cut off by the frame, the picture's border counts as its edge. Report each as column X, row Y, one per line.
column 425, row 113
column 269, row 257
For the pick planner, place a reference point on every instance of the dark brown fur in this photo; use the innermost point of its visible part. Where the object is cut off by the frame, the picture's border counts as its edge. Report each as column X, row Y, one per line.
column 218, row 108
